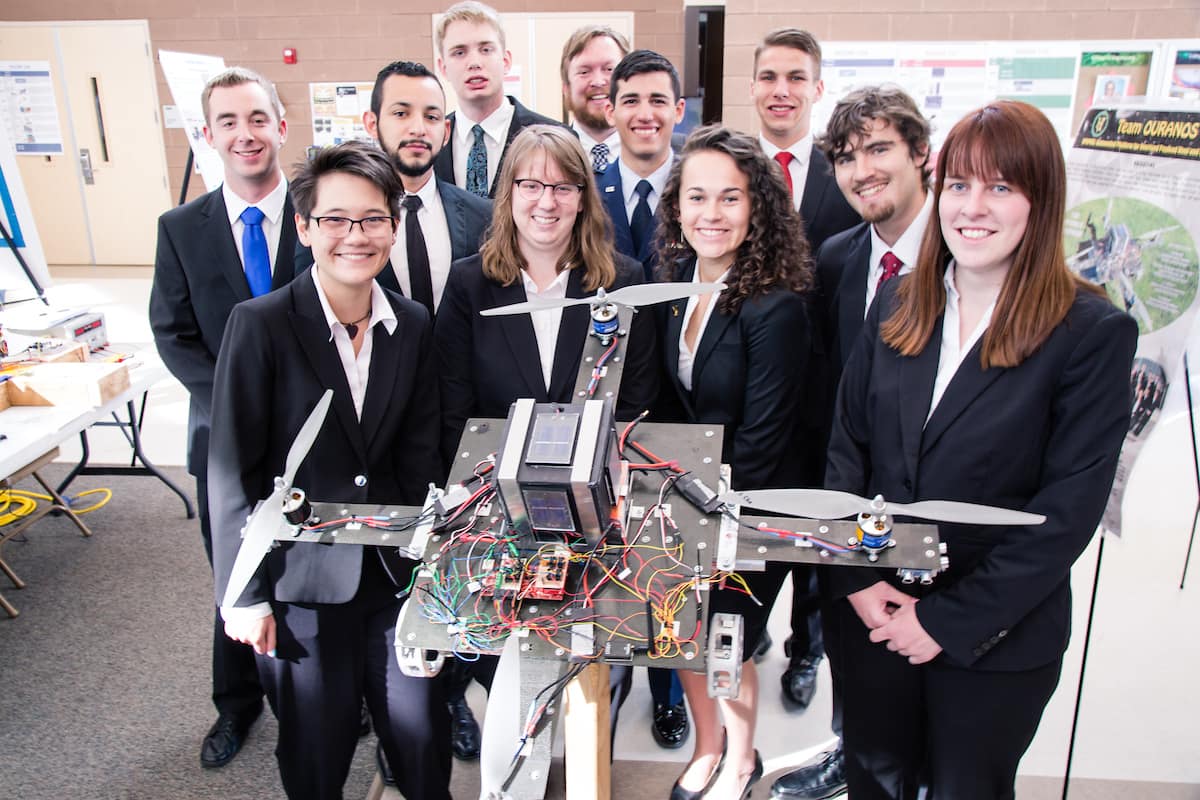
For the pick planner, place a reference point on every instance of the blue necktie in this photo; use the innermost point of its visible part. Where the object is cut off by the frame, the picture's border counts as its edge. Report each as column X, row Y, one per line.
column 477, row 165
column 255, row 255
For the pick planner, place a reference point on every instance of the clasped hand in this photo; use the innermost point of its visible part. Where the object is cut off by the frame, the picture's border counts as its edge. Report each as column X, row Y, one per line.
column 891, row 617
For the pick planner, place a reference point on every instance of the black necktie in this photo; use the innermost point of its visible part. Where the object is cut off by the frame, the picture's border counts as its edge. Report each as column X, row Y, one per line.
column 641, row 225
column 418, row 254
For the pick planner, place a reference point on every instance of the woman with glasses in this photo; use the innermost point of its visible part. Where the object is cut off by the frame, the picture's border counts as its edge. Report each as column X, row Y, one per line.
column 550, row 238
column 989, row 375
column 743, row 359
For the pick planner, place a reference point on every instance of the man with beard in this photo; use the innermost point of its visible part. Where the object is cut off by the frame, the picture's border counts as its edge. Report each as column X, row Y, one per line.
column 879, row 145
column 588, row 59
column 439, row 223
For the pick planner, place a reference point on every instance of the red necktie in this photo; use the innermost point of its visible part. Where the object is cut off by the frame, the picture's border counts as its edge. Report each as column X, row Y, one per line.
column 891, row 268
column 785, row 160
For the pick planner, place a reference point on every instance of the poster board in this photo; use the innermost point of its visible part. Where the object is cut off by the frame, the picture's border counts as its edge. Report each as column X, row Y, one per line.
column 186, row 75
column 28, row 110
column 1132, row 226
column 18, row 220
column 337, row 111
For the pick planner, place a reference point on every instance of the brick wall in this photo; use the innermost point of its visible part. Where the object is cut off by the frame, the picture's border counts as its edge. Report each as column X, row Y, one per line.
column 349, row 40
column 919, row 20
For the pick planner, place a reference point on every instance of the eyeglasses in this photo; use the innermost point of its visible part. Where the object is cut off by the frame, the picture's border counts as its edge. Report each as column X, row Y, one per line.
column 532, row 189
column 341, row 226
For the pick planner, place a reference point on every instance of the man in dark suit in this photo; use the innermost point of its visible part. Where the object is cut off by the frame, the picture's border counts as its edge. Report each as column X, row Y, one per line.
column 588, row 59
column 878, row 143
column 408, row 119
column 218, row 250
column 322, row 619
column 469, row 41
column 786, row 83
column 645, row 107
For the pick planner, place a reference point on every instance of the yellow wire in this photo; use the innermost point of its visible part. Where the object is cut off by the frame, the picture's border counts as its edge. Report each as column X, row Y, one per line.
column 27, row 502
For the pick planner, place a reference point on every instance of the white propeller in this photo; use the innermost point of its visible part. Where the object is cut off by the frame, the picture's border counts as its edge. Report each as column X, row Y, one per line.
column 503, row 724
column 639, row 294
column 266, row 519
column 830, row 504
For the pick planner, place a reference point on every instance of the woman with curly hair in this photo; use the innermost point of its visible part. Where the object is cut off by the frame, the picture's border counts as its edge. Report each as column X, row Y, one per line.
column 741, row 359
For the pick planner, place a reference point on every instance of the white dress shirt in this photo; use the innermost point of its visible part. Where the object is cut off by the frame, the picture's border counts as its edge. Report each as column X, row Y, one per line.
column 495, row 134
column 687, row 359
column 356, row 367
column 906, row 248
column 435, row 229
column 272, row 208
column 546, row 322
column 630, row 181
column 585, row 139
column 953, row 351
column 801, row 154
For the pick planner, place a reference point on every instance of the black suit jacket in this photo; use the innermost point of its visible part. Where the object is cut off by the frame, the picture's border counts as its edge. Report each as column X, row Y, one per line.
column 843, row 263
column 750, row 374
column 467, row 217
column 276, row 362
column 1041, row 437
column 612, row 193
column 522, row 118
column 823, row 207
column 486, row 363
column 198, row 279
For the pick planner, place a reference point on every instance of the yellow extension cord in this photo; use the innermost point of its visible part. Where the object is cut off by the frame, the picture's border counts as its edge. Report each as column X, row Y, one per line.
column 26, row 502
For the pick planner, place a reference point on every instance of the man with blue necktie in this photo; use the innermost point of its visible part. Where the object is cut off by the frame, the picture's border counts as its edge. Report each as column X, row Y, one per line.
column 213, row 253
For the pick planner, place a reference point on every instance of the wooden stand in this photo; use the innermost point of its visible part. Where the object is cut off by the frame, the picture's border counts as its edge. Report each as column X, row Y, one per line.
column 17, row 528
column 587, row 740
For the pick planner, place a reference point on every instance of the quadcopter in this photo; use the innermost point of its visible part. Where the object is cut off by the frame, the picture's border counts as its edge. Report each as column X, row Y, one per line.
column 564, row 538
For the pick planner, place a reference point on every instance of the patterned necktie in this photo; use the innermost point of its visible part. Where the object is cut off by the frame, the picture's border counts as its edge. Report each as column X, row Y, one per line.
column 255, row 257
column 421, row 284
column 600, row 157
column 477, row 165
column 785, row 160
column 891, row 268
column 641, row 224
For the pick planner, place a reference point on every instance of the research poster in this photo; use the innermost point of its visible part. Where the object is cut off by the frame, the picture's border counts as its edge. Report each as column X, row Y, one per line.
column 1132, row 226
column 1185, row 74
column 1107, row 76
column 337, row 111
column 28, row 109
column 186, row 75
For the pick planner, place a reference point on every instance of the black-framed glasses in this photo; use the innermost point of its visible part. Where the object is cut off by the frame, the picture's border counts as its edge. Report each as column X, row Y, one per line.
column 532, row 189
column 341, row 226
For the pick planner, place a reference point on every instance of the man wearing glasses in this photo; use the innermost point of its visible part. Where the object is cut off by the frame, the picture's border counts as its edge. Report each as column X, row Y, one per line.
column 322, row 619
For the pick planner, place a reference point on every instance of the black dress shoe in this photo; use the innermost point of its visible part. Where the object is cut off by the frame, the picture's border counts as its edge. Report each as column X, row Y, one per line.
column 670, row 725
column 764, row 647
column 224, row 739
column 464, row 730
column 680, row 793
column 820, row 780
column 800, row 683
column 385, row 772
column 364, row 720
column 754, row 778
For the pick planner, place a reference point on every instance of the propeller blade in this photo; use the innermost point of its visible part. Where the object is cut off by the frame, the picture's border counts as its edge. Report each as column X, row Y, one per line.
column 503, row 722
column 260, row 534
column 537, row 304
column 305, row 438
column 970, row 513
column 646, row 294
column 814, row 503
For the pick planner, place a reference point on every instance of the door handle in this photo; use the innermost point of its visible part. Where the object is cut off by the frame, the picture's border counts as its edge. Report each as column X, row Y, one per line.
column 85, row 166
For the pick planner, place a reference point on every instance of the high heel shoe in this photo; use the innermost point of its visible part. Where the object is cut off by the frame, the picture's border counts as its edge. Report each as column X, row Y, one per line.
column 754, row 778
column 680, row 793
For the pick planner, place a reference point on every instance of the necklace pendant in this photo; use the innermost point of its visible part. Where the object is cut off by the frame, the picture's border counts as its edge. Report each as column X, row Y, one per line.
column 352, row 331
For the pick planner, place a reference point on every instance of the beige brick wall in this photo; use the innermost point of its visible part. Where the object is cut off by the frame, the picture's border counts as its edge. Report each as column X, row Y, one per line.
column 347, row 40
column 909, row 20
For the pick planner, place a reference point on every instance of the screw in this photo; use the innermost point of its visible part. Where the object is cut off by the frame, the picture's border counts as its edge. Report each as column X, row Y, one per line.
column 474, row 429
column 701, row 546
column 707, row 460
column 762, row 548
column 703, row 520
column 709, row 434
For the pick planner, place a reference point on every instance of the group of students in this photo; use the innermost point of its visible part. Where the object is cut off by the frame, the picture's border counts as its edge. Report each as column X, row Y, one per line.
column 990, row 374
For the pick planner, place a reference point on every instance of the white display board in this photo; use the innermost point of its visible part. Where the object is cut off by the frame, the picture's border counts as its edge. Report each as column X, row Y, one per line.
column 186, row 74
column 18, row 221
